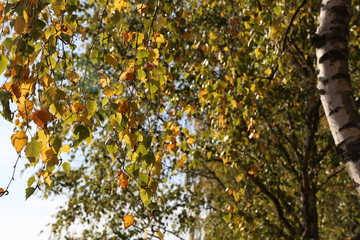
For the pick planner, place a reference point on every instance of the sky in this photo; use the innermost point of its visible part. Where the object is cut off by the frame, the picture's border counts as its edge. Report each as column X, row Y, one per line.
column 20, row 219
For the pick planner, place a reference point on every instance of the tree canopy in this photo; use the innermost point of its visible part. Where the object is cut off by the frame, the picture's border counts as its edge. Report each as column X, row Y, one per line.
column 186, row 118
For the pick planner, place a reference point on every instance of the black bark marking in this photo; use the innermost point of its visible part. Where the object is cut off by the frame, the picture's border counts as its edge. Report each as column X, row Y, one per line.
column 341, row 76
column 339, row 35
column 349, row 152
column 334, row 55
column 341, row 11
column 335, row 110
column 318, row 41
column 348, row 125
column 317, row 71
column 323, row 80
column 321, row 91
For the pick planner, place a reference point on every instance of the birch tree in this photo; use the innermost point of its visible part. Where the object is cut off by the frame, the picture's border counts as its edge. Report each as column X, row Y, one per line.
column 331, row 42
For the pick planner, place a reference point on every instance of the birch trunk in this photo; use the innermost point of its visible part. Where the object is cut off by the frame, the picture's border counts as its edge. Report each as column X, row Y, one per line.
column 331, row 42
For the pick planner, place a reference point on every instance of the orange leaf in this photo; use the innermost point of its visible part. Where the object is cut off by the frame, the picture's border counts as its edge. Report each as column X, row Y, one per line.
column 123, row 107
column 128, row 221
column 127, row 36
column 41, row 117
column 128, row 75
column 253, row 170
column 123, row 179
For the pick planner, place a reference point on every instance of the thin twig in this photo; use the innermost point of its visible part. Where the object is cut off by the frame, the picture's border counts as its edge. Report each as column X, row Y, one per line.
column 287, row 31
column 329, row 178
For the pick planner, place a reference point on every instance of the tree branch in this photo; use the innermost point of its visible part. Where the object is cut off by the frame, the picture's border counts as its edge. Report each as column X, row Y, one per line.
column 276, row 202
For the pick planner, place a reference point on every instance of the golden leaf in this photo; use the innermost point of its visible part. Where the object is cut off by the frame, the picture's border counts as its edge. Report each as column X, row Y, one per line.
column 128, row 221
column 141, row 8
column 160, row 235
column 25, row 106
column 73, row 76
column 19, row 140
column 47, row 153
column 203, row 93
column 268, row 72
column 120, row 4
column 191, row 140
column 19, row 25
column 159, row 38
column 78, row 107
column 65, row 148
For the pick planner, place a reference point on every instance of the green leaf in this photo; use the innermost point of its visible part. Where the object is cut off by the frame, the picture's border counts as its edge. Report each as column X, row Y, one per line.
column 141, row 150
column 66, row 167
column 143, row 179
column 133, row 169
column 91, row 107
column 56, row 144
column 3, row 63
column 32, row 150
column 30, row 181
column 145, row 195
column 142, row 54
column 81, row 133
column 8, row 43
column 277, row 10
column 28, row 192
column 152, row 206
column 141, row 74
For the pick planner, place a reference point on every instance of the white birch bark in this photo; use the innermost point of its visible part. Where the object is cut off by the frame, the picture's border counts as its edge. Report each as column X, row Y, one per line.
column 331, row 42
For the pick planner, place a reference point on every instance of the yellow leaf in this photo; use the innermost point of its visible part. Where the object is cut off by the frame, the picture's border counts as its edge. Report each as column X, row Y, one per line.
column 19, row 140
column 128, row 221
column 47, row 153
column 141, row 8
column 175, row 128
column 73, row 76
column 268, row 72
column 191, row 140
column 65, row 148
column 108, row 92
column 212, row 35
column 159, row 38
column 25, row 106
column 130, row 139
column 160, row 235
column 26, row 16
column 120, row 4
column 47, row 81
column 203, row 93
column 78, row 107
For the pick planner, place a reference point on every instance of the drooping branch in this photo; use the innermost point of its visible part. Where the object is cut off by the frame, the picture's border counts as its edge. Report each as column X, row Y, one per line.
column 276, row 202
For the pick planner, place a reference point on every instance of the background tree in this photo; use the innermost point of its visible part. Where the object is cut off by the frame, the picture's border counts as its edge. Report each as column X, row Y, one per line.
column 190, row 117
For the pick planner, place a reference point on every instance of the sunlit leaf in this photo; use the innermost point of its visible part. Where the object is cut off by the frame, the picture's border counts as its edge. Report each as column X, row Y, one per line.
column 128, row 221
column 19, row 140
